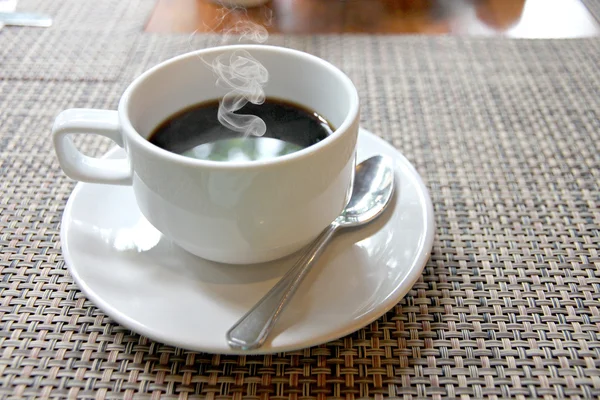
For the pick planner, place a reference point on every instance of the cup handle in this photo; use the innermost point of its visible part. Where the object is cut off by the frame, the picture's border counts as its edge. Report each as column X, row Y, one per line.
column 77, row 165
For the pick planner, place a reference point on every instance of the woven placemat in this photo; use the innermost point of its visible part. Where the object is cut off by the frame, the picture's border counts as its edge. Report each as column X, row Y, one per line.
column 504, row 132
column 594, row 7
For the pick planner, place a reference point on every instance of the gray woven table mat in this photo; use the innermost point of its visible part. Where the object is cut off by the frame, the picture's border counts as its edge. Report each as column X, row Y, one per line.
column 594, row 7
column 504, row 132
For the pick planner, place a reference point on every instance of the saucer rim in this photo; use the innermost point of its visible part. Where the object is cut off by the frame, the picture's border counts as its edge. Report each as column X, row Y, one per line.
column 392, row 299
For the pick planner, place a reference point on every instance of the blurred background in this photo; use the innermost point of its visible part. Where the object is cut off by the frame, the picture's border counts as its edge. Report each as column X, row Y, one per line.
column 508, row 18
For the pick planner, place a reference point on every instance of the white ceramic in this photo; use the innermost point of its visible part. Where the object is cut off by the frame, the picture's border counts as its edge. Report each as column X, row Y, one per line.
column 7, row 6
column 243, row 212
column 143, row 281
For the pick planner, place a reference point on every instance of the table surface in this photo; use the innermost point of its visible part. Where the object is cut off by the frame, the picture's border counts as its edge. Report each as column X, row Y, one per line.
column 504, row 132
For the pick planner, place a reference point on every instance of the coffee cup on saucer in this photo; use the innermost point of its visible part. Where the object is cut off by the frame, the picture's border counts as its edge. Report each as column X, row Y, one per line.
column 237, row 211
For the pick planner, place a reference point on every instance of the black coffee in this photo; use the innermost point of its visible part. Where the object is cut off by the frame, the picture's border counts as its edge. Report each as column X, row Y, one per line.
column 196, row 132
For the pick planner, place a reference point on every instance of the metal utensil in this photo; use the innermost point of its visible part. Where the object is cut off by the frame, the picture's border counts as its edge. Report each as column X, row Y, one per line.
column 25, row 19
column 371, row 193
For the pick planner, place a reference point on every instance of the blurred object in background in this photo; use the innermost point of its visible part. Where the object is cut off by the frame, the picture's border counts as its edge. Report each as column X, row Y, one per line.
column 510, row 18
column 239, row 3
column 8, row 16
column 7, row 6
column 533, row 19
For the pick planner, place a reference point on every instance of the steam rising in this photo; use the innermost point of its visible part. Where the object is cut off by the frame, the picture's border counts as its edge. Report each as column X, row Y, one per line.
column 247, row 30
column 241, row 74
column 245, row 76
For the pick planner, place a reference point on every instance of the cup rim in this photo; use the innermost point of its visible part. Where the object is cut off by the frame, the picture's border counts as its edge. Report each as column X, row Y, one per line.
column 133, row 134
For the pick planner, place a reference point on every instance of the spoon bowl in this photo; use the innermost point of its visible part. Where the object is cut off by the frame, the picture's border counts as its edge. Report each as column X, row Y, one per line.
column 371, row 193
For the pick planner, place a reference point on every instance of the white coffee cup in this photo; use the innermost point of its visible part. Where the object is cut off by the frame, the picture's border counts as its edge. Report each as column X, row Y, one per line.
column 230, row 212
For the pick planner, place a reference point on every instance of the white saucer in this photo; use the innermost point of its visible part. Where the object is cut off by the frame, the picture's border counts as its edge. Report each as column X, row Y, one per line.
column 154, row 288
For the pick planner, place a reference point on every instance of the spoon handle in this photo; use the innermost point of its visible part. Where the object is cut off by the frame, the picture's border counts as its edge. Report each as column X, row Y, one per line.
column 251, row 331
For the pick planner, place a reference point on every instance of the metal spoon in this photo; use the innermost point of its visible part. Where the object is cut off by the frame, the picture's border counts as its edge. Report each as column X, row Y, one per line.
column 371, row 193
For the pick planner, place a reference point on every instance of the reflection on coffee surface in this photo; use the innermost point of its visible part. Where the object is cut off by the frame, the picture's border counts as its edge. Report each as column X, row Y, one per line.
column 196, row 132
